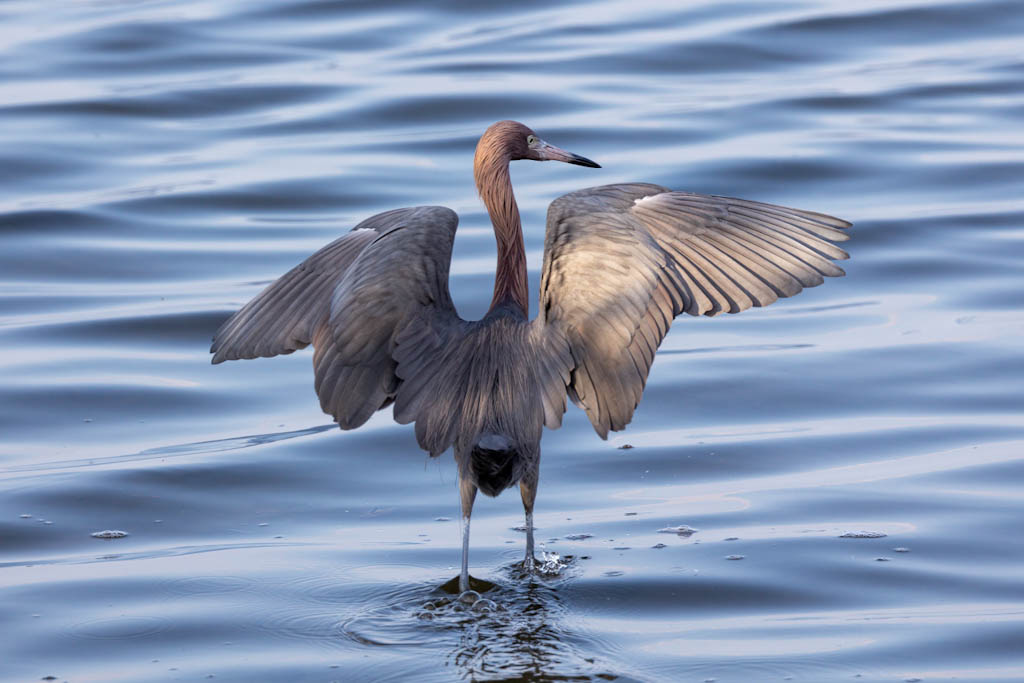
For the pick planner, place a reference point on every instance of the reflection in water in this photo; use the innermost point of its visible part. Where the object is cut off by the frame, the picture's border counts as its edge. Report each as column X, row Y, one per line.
column 522, row 634
column 516, row 629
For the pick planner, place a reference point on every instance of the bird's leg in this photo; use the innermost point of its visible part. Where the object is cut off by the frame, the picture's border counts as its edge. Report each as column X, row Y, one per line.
column 467, row 491
column 528, row 491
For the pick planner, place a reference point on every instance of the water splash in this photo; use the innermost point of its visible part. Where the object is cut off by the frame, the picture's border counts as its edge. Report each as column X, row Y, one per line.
column 551, row 564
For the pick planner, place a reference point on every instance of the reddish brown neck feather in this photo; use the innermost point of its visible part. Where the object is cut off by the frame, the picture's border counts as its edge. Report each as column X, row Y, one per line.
column 490, row 169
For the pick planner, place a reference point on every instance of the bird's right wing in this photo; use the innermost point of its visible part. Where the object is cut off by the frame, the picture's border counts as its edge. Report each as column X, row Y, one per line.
column 283, row 317
column 383, row 284
column 621, row 261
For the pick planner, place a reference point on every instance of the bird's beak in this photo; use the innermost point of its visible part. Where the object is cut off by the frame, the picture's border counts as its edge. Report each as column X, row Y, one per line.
column 552, row 153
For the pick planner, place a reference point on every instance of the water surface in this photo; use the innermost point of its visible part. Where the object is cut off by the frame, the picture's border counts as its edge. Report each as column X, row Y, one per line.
column 161, row 162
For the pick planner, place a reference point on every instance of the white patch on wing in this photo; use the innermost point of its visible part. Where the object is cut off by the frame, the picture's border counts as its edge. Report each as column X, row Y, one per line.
column 364, row 230
column 644, row 199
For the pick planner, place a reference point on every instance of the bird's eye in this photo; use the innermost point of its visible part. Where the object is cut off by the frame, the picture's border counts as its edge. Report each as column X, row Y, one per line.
column 531, row 140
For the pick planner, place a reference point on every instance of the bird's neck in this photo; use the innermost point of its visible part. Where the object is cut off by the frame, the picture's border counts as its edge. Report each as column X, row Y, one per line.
column 511, row 287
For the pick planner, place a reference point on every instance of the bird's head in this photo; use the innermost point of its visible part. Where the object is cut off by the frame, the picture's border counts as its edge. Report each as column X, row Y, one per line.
column 512, row 140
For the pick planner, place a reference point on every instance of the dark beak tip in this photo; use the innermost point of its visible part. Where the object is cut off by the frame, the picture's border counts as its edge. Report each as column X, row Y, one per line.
column 583, row 161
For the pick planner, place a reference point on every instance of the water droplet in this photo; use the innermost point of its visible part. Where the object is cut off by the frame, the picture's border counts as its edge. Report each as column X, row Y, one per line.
column 625, row 447
column 440, row 519
column 681, row 530
column 881, row 559
column 631, row 514
column 658, row 546
column 901, row 550
column 579, row 537
column 733, row 538
column 263, row 524
column 25, row 516
column 863, row 534
column 623, row 547
column 734, row 557
column 109, row 533
column 614, row 572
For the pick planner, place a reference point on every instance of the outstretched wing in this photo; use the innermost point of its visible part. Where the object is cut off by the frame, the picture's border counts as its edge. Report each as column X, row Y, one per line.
column 283, row 317
column 353, row 300
column 621, row 261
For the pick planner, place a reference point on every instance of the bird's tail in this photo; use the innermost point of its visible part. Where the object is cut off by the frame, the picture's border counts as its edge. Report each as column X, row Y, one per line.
column 495, row 463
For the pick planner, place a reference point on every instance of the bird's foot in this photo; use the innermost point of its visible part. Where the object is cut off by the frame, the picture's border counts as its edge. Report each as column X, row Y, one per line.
column 452, row 586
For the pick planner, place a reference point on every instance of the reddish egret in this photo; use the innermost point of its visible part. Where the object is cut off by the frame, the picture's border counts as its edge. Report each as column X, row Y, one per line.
column 620, row 262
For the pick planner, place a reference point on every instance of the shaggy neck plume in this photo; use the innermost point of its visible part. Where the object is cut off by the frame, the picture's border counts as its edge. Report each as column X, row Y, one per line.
column 490, row 169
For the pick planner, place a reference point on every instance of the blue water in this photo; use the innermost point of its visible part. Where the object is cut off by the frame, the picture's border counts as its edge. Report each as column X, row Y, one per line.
column 160, row 162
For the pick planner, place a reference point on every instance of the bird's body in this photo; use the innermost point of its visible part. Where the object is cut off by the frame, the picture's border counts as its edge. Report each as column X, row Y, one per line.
column 620, row 262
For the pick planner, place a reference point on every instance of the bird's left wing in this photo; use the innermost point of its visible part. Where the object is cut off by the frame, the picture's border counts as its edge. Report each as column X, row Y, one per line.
column 621, row 261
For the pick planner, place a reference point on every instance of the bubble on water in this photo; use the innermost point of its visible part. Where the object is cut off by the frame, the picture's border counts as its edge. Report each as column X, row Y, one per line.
column 881, row 559
column 734, row 557
column 901, row 550
column 626, row 447
column 863, row 534
column 522, row 528
column 263, row 524
column 469, row 597
column 622, row 547
column 484, row 605
column 109, row 533
column 579, row 537
column 681, row 530
column 732, row 538
column 25, row 516
column 614, row 573
column 658, row 546
column 442, row 519
column 632, row 514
